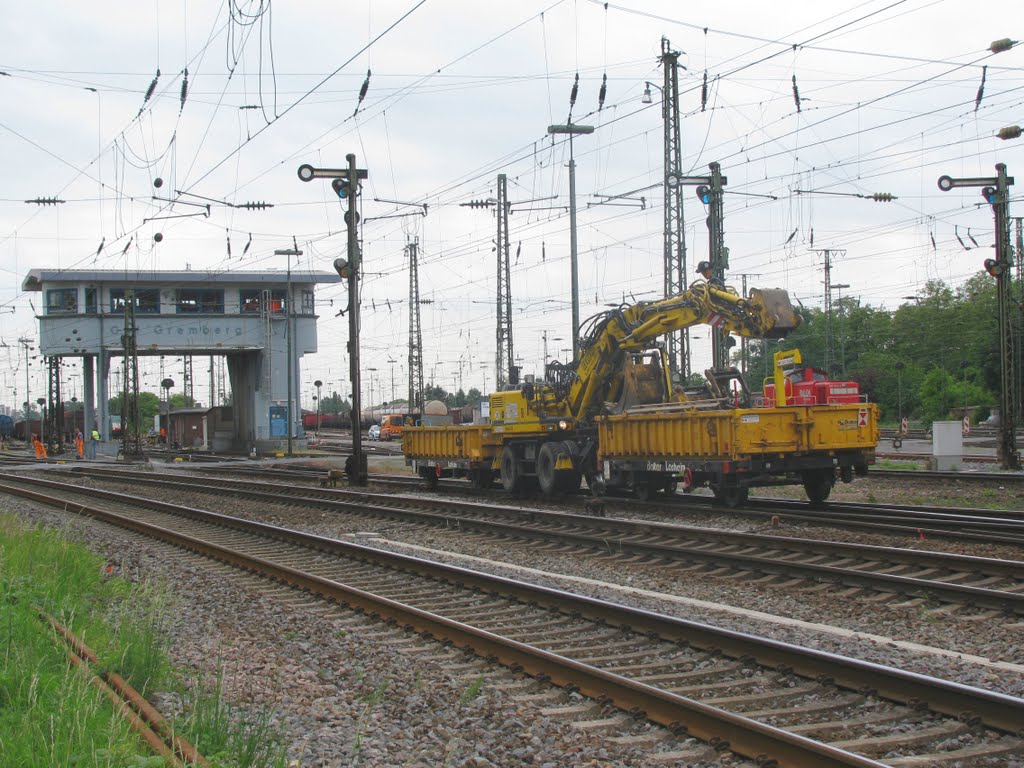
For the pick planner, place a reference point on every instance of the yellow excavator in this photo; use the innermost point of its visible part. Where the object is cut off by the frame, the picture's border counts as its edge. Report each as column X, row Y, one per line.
column 547, row 429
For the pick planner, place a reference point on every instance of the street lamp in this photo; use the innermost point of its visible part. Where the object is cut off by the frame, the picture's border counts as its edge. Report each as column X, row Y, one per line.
column 28, row 398
column 289, row 252
column 647, row 98
column 372, row 378
column 571, row 129
column 899, row 391
column 318, row 384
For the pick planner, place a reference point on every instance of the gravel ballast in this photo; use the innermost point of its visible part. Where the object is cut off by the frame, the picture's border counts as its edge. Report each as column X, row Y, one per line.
column 342, row 691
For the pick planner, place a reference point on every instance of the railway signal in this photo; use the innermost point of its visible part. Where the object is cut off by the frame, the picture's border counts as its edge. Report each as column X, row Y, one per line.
column 345, row 183
column 996, row 191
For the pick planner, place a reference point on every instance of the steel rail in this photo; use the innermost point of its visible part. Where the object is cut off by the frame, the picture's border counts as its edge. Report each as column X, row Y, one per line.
column 933, row 474
column 1013, row 521
column 834, row 514
column 130, row 704
column 995, row 710
column 742, row 735
column 789, row 507
column 1001, row 600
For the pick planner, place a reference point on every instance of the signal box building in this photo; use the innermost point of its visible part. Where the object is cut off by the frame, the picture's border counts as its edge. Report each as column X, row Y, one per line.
column 262, row 323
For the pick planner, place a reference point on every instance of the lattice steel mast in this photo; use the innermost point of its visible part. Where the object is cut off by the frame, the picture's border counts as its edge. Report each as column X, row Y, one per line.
column 131, row 419
column 675, row 243
column 415, row 330
column 504, row 356
column 188, row 384
column 55, row 407
column 1017, row 329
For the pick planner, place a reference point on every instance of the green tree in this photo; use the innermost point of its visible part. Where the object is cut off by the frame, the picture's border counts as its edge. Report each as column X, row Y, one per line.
column 181, row 400
column 938, row 395
column 149, row 405
column 939, row 328
column 335, row 403
column 434, row 392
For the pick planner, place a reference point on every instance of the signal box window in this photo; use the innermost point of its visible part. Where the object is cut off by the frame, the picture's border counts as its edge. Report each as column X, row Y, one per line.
column 90, row 301
column 200, row 300
column 62, row 301
column 147, row 300
column 251, row 300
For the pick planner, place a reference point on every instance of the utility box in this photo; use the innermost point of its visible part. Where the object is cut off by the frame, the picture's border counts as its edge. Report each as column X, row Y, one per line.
column 947, row 445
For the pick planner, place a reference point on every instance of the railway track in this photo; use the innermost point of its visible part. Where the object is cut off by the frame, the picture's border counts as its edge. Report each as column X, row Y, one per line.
column 774, row 703
column 931, row 474
column 175, row 751
column 978, row 458
column 963, row 524
column 986, row 585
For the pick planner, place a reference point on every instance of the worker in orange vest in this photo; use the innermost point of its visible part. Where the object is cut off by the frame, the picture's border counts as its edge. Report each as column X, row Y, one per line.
column 40, row 448
column 80, row 444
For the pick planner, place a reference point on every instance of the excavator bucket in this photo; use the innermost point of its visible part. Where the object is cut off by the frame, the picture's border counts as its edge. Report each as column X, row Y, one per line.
column 775, row 312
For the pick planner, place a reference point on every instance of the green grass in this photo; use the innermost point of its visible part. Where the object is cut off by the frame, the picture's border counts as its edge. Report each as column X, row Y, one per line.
column 889, row 464
column 473, row 690
column 227, row 735
column 49, row 714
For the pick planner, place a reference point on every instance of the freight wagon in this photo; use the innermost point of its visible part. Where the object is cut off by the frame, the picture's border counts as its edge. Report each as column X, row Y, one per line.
column 733, row 450
column 453, row 451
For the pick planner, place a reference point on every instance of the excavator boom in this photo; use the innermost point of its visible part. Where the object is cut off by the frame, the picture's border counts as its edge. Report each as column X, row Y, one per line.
column 765, row 313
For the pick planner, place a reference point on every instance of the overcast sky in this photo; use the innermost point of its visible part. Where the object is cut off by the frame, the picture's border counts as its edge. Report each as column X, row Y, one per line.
column 463, row 91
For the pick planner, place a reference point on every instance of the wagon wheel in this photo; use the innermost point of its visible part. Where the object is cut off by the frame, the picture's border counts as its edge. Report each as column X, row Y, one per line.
column 481, row 478
column 511, row 470
column 644, row 486
column 547, row 477
column 429, row 475
column 731, row 496
column 818, row 484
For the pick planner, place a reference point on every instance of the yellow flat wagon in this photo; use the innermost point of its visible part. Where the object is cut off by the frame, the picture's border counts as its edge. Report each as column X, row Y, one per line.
column 733, row 450
column 452, row 451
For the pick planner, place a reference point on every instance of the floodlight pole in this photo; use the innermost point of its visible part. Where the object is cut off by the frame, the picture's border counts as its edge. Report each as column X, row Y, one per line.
column 288, row 253
column 572, row 129
column 28, row 400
